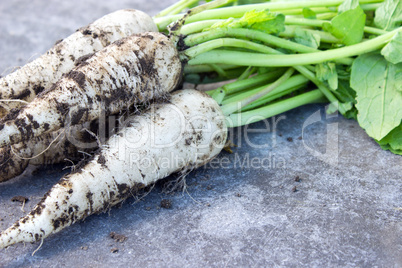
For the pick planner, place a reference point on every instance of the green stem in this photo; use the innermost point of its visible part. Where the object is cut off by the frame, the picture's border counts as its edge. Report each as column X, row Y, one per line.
column 205, row 68
column 305, row 22
column 250, row 70
column 257, row 80
column 246, row 34
column 218, row 95
column 290, row 31
column 175, row 28
column 226, row 42
column 197, row 26
column 326, row 16
column 235, row 106
column 373, row 30
column 264, row 60
column 231, row 88
column 254, row 35
column 208, row 6
column 294, row 81
column 311, row 68
column 270, row 98
column 244, row 118
column 299, row 11
column 207, row 78
column 176, row 8
column 220, row 71
column 370, row 7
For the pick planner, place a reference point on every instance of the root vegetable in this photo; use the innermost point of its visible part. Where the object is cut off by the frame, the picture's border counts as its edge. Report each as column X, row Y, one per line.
column 130, row 71
column 28, row 81
column 181, row 134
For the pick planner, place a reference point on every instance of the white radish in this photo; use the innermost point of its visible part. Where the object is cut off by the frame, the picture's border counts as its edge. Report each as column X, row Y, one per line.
column 31, row 79
column 130, row 71
column 181, row 134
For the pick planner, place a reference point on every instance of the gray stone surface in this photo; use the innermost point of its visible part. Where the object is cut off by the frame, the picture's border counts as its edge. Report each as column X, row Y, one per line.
column 240, row 210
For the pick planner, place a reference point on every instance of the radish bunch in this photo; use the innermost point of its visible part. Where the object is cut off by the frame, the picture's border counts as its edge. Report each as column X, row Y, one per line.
column 122, row 64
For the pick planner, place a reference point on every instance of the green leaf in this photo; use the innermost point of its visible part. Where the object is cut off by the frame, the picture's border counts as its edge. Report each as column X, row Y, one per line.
column 263, row 20
column 346, row 95
column 309, row 14
column 351, row 114
column 389, row 15
column 387, row 147
column 377, row 83
column 344, row 92
column 347, row 5
column 393, row 141
column 348, row 26
column 306, row 38
column 393, row 50
column 327, row 72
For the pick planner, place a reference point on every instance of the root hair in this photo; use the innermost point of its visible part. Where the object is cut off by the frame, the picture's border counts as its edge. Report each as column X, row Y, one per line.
column 47, row 148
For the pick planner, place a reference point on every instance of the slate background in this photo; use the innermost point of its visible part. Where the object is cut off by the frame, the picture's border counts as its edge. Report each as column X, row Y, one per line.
column 343, row 214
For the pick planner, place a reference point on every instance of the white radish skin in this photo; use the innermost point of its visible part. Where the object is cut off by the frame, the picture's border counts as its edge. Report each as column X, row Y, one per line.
column 132, row 70
column 28, row 81
column 182, row 134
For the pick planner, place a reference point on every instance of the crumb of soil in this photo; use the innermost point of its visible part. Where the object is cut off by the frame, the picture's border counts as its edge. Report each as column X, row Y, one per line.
column 118, row 237
column 114, row 250
column 20, row 198
column 166, row 203
column 290, row 139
